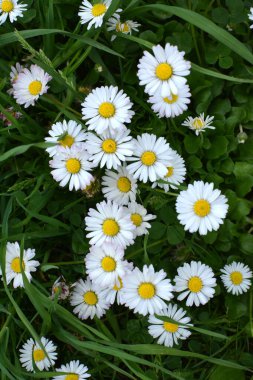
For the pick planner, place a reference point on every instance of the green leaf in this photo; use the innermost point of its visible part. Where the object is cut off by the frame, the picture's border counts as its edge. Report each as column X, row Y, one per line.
column 221, row 373
column 175, row 234
column 20, row 150
column 247, row 243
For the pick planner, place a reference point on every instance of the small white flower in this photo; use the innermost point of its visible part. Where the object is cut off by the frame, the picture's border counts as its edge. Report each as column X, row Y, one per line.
column 110, row 149
column 201, row 208
column 75, row 371
column 145, row 291
column 15, row 71
column 152, row 156
column 139, row 218
column 93, row 14
column 195, row 281
column 32, row 351
column 88, row 301
column 199, row 123
column 60, row 288
column 126, row 27
column 13, row 264
column 119, row 187
column 107, row 108
column 236, row 277
column 105, row 264
column 171, row 105
column 65, row 134
column 163, row 73
column 170, row 332
column 11, row 9
column 109, row 223
column 175, row 173
column 251, row 16
column 71, row 166
column 30, row 85
column 115, row 292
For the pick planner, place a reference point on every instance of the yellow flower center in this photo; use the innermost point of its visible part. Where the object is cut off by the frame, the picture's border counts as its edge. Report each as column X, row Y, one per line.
column 35, row 87
column 7, row 6
column 118, row 27
column 116, row 287
column 146, row 290
column 15, row 265
column 170, row 327
column 198, row 123
column 202, row 208
column 67, row 141
column 170, row 171
column 108, row 264
column 136, row 219
column 73, row 165
column 172, row 100
column 195, row 284
column 110, row 227
column 124, row 184
column 148, row 158
column 163, row 71
column 90, row 298
column 72, row 376
column 38, row 355
column 125, row 28
column 98, row 10
column 106, row 110
column 236, row 278
column 109, row 146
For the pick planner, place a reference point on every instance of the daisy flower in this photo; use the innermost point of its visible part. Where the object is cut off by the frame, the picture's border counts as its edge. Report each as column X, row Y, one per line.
column 43, row 358
column 126, row 27
column 115, row 291
column 201, row 208
column 120, row 187
column 30, row 85
column 163, row 73
column 107, row 108
column 88, row 301
column 93, row 14
column 199, row 123
column 170, row 332
column 251, row 16
column 110, row 149
column 171, row 105
column 152, row 155
column 139, row 218
column 74, row 371
column 15, row 71
column 109, row 223
column 71, row 165
column 105, row 265
column 15, row 114
column 145, row 291
column 175, row 173
column 236, row 278
column 196, row 282
column 11, row 9
column 65, row 134
column 13, row 264
column 60, row 288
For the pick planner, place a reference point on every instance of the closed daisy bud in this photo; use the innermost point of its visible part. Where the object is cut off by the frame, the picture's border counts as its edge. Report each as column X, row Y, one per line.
column 236, row 278
column 60, row 289
column 43, row 356
column 196, row 282
column 199, row 123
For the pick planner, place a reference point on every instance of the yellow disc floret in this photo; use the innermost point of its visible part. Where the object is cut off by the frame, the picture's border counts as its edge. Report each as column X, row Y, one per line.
column 170, row 327
column 110, row 227
column 172, row 100
column 195, row 284
column 202, row 208
column 98, row 9
column 71, row 376
column 7, row 6
column 163, row 71
column 73, row 165
column 236, row 278
column 198, row 123
column 124, row 184
column 35, row 87
column 67, row 141
column 146, row 290
column 136, row 219
column 15, row 265
column 108, row 264
column 148, row 158
column 109, row 146
column 116, row 287
column 170, row 171
column 90, row 298
column 106, row 110
column 38, row 355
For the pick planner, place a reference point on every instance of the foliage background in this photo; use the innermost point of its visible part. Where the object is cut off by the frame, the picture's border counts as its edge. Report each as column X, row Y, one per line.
column 35, row 211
